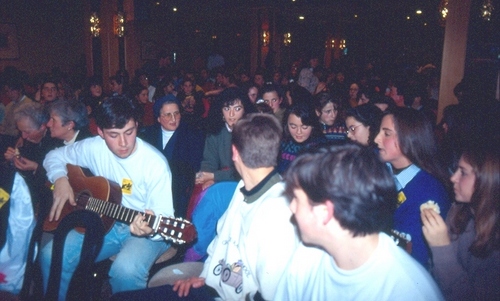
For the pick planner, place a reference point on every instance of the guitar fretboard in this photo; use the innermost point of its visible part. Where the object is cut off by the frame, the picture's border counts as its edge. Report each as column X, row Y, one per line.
column 116, row 211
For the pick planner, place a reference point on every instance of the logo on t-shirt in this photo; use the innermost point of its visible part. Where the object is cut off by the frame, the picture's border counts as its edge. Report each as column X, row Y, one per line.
column 4, row 197
column 231, row 274
column 127, row 186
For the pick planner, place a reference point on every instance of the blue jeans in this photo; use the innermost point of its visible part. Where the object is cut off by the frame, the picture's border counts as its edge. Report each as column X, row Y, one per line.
column 130, row 269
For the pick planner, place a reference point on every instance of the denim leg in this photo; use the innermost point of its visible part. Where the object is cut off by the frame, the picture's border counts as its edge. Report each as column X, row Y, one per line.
column 130, row 270
column 72, row 251
column 71, row 257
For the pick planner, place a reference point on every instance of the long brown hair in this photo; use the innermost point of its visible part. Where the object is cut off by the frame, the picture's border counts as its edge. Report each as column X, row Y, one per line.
column 484, row 206
column 417, row 141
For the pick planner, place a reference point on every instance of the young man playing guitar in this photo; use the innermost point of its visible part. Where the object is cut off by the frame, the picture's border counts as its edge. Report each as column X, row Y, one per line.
column 145, row 179
column 255, row 238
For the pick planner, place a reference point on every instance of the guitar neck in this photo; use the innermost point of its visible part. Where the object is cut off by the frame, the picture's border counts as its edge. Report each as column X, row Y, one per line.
column 116, row 211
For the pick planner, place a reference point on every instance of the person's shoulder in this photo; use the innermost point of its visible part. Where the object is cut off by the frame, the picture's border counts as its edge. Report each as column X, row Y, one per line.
column 400, row 263
column 145, row 150
column 274, row 199
column 148, row 133
column 190, row 132
column 425, row 179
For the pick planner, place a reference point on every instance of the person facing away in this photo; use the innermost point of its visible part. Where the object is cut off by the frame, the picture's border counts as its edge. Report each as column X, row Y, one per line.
column 145, row 177
column 255, row 238
column 343, row 199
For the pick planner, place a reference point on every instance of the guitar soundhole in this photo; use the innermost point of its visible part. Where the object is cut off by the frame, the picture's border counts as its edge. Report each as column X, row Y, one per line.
column 83, row 197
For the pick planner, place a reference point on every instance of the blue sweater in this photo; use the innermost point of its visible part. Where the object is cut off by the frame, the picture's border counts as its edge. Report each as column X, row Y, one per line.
column 422, row 188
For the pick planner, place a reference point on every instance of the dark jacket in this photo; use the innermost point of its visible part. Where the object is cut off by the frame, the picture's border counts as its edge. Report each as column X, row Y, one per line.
column 184, row 152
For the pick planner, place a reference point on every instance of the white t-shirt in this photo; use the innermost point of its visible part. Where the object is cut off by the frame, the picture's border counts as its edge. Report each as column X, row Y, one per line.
column 389, row 274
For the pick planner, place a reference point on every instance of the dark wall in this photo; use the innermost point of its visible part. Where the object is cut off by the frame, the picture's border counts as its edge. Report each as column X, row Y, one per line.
column 50, row 34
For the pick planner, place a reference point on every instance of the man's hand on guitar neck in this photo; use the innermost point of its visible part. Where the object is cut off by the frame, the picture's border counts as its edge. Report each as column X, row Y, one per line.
column 140, row 226
column 61, row 194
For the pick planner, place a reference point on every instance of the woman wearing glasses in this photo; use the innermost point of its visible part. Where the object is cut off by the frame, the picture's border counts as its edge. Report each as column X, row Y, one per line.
column 181, row 144
column 363, row 124
column 406, row 142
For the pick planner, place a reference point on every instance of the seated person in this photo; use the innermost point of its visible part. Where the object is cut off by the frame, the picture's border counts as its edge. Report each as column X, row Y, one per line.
column 301, row 132
column 254, row 254
column 466, row 247
column 29, row 151
column 8, row 129
column 205, row 216
column 68, row 121
column 273, row 97
column 145, row 177
column 217, row 165
column 406, row 143
column 343, row 197
column 181, row 144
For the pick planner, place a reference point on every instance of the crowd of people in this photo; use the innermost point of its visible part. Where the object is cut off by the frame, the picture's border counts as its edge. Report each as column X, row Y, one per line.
column 300, row 183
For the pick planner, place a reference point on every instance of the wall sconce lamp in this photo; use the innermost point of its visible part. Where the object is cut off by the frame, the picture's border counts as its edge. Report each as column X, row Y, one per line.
column 330, row 43
column 443, row 12
column 265, row 38
column 342, row 44
column 287, row 39
column 95, row 27
column 119, row 24
column 486, row 10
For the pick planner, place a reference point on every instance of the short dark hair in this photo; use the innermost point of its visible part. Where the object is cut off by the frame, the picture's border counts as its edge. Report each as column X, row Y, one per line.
column 272, row 88
column 320, row 100
column 257, row 139
column 15, row 83
column 70, row 110
column 354, row 179
column 51, row 81
column 226, row 98
column 115, row 112
column 306, row 114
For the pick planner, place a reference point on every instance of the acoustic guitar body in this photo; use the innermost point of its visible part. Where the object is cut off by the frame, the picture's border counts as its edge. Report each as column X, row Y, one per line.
column 84, row 188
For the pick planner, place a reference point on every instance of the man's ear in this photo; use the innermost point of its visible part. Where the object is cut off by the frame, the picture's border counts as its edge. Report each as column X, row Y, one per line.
column 324, row 211
column 235, row 152
column 100, row 132
column 318, row 113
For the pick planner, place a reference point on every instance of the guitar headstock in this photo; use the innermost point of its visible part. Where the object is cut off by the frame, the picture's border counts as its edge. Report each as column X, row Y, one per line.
column 177, row 230
column 402, row 240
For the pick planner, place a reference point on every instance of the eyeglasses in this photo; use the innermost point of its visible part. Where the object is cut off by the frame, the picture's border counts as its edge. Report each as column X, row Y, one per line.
column 352, row 128
column 267, row 101
column 169, row 116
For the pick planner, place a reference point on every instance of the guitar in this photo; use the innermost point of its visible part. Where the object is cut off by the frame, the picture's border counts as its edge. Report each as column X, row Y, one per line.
column 402, row 240
column 99, row 195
